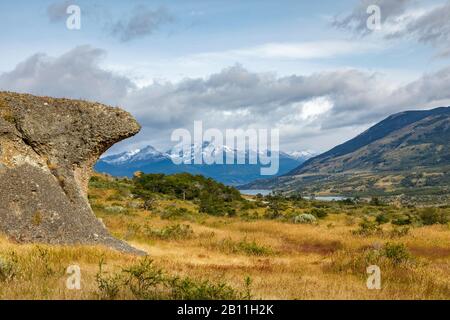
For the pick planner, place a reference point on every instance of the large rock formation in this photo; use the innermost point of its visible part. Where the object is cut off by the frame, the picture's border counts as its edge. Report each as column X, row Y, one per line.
column 47, row 149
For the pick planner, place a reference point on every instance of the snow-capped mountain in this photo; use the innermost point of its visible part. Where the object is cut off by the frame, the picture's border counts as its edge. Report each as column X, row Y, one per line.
column 204, row 150
column 151, row 160
column 148, row 153
column 301, row 155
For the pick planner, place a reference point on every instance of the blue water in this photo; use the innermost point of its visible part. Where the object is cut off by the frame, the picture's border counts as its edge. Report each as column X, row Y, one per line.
column 329, row 198
column 267, row 192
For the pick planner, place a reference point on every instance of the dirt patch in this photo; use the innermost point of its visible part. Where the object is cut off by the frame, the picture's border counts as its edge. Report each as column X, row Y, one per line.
column 431, row 252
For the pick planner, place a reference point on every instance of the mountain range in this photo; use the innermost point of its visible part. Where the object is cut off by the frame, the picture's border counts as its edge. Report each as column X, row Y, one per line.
column 150, row 160
column 407, row 152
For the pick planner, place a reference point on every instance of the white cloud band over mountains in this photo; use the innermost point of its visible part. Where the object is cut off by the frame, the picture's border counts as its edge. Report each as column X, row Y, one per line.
column 313, row 110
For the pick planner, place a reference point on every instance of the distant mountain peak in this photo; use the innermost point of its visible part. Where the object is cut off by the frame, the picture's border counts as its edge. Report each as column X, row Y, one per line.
column 150, row 160
column 304, row 155
column 146, row 153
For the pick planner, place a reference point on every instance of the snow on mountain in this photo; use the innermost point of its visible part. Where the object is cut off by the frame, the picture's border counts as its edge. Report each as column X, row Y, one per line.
column 120, row 157
column 148, row 153
column 150, row 160
column 301, row 155
column 206, row 149
column 188, row 154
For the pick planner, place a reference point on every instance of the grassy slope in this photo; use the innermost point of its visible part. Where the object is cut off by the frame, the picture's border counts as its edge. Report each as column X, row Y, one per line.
column 409, row 150
column 284, row 260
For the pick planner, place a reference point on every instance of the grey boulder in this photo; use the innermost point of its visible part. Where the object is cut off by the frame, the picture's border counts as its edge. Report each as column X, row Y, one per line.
column 47, row 149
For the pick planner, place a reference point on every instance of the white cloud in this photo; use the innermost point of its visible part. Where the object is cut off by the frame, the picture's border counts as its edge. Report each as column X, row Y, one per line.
column 310, row 110
column 75, row 74
column 427, row 24
column 300, row 50
column 313, row 108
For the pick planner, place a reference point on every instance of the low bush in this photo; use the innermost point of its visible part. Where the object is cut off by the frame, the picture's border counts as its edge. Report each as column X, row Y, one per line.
column 115, row 209
column 430, row 216
column 382, row 218
column 188, row 289
column 146, row 281
column 8, row 267
column 173, row 232
column 319, row 213
column 375, row 201
column 398, row 232
column 402, row 220
column 173, row 213
column 304, row 218
column 253, row 248
column 368, row 228
column 108, row 285
column 389, row 257
column 396, row 252
column 244, row 246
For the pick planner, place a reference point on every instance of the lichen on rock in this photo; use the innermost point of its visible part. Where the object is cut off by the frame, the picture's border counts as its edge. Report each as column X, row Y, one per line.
column 47, row 149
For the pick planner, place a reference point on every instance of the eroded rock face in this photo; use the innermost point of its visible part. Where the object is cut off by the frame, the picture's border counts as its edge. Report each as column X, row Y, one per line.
column 47, row 149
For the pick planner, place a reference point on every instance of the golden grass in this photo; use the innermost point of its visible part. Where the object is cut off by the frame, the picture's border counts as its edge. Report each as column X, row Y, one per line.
column 320, row 261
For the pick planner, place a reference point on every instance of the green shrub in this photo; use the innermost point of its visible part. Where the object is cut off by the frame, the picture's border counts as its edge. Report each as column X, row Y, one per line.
column 402, row 220
column 430, row 216
column 274, row 207
column 375, row 201
column 8, row 267
column 253, row 248
column 367, row 228
column 188, row 289
column 106, row 182
column 382, row 218
column 244, row 246
column 319, row 213
column 42, row 255
column 146, row 281
column 399, row 232
column 108, row 285
column 397, row 253
column 115, row 209
column 304, row 218
column 173, row 213
column 347, row 201
column 116, row 196
column 149, row 203
column 356, row 261
column 184, row 186
column 133, row 230
column 176, row 232
column 247, row 205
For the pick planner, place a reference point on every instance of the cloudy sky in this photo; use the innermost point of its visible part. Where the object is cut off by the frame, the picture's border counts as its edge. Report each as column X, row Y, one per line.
column 312, row 69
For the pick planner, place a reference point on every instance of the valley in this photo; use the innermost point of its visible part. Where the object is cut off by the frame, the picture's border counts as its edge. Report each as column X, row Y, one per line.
column 405, row 158
column 267, row 248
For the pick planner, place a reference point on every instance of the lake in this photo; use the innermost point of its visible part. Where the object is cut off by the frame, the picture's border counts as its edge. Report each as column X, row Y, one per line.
column 328, row 198
column 255, row 192
column 265, row 192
